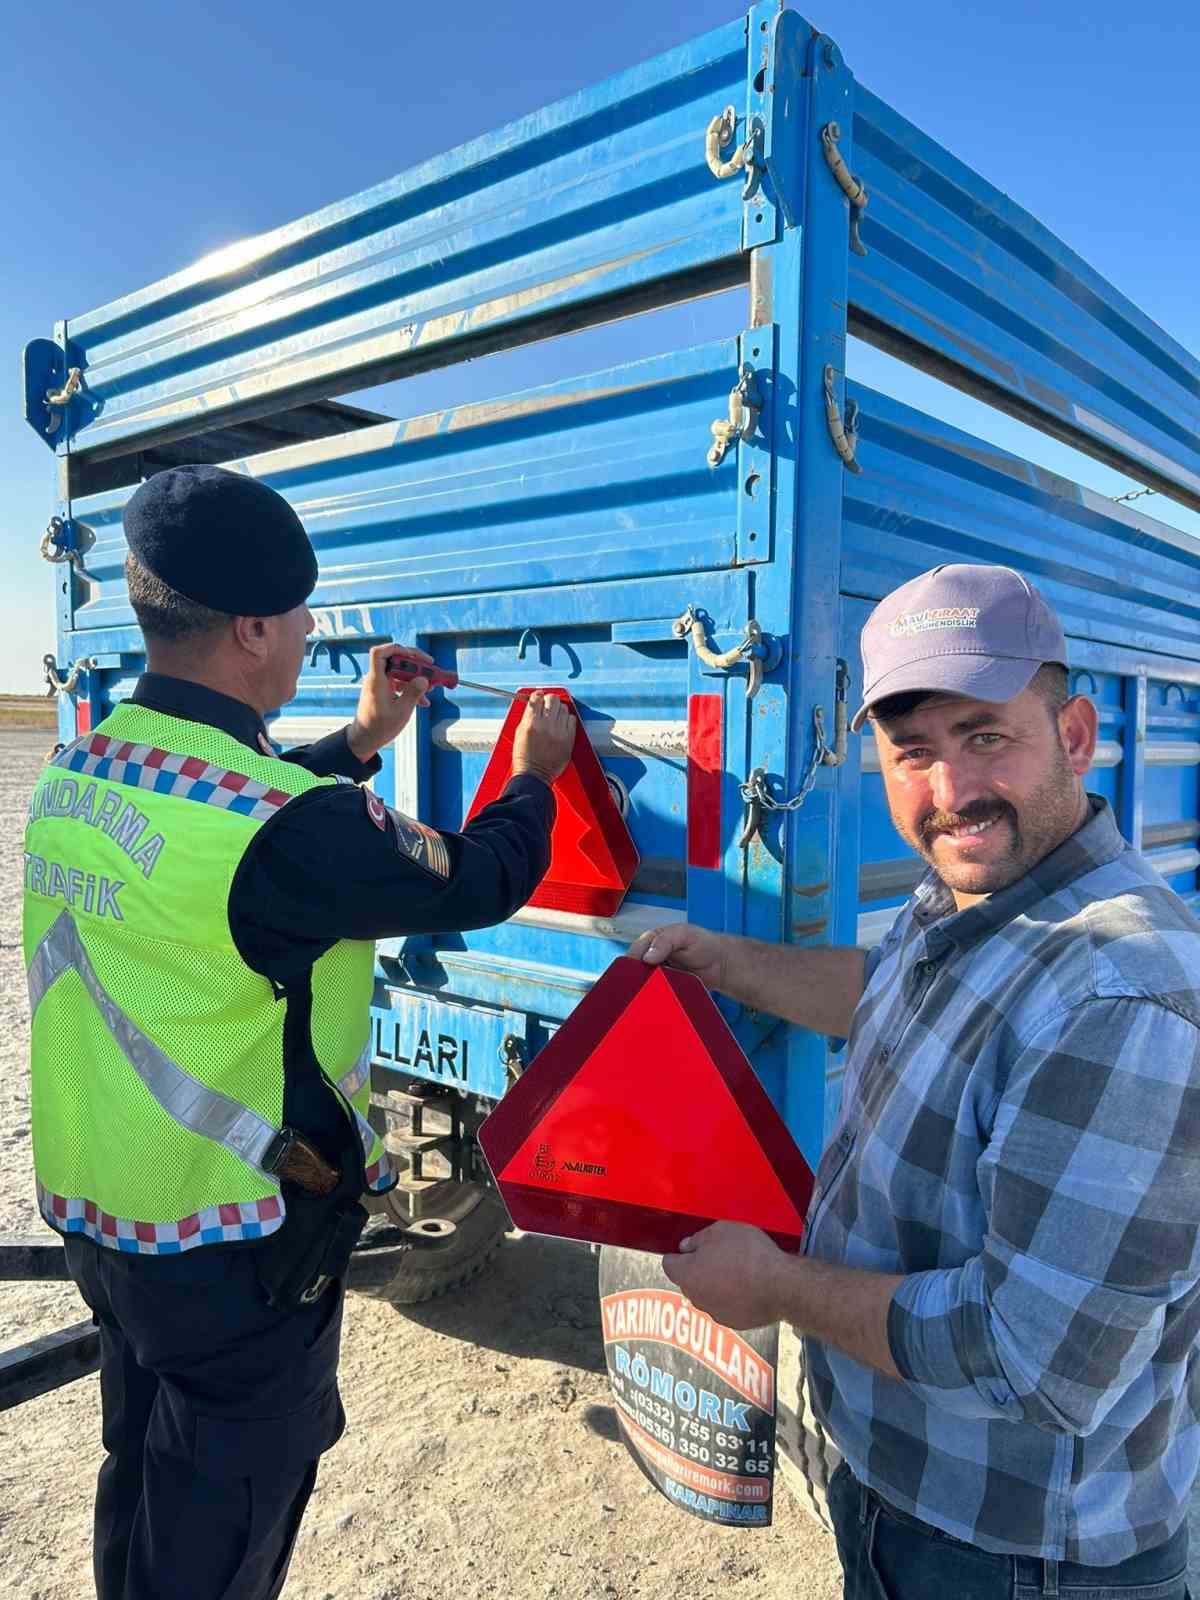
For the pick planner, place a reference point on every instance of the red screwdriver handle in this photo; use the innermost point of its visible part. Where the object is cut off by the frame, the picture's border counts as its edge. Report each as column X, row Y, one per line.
column 403, row 666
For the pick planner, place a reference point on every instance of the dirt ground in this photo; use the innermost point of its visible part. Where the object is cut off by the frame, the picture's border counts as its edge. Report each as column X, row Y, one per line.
column 481, row 1456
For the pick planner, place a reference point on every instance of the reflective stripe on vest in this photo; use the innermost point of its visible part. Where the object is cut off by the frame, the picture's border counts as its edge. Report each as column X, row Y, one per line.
column 379, row 1175
column 221, row 1224
column 142, row 766
column 199, row 1109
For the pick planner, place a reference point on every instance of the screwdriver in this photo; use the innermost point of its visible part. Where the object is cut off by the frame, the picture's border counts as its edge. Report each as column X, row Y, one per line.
column 404, row 667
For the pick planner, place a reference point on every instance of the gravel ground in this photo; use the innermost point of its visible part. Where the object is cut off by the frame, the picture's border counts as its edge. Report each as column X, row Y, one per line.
column 481, row 1455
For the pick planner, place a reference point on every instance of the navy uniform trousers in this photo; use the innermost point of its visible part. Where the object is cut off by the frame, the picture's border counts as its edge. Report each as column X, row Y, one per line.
column 216, row 1409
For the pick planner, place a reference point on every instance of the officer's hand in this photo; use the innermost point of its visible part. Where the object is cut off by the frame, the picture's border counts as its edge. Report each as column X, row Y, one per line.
column 735, row 1273
column 683, row 945
column 545, row 737
column 382, row 711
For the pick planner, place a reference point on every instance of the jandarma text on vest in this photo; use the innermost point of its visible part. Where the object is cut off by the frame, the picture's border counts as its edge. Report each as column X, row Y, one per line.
column 92, row 891
column 66, row 797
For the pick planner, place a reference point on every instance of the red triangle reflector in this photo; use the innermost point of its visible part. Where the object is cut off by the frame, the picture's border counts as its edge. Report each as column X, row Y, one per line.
column 642, row 1121
column 592, row 854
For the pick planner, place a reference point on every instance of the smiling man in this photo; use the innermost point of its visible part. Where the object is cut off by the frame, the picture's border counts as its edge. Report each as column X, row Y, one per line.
column 1000, row 1287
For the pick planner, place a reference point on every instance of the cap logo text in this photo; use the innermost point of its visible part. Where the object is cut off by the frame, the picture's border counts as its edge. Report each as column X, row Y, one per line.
column 914, row 622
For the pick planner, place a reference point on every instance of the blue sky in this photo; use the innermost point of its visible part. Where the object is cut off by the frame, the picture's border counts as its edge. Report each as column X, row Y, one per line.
column 139, row 136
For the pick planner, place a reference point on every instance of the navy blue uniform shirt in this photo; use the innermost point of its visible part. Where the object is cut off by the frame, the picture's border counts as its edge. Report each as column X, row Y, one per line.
column 337, row 863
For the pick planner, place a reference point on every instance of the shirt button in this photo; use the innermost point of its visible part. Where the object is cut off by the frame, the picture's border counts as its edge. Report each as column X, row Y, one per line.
column 926, row 969
column 885, row 1052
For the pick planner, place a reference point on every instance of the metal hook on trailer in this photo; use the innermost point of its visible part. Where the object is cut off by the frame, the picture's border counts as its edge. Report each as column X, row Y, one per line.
column 761, row 651
column 844, row 434
column 718, row 135
column 69, row 684
column 57, row 400
column 745, row 407
column 854, row 190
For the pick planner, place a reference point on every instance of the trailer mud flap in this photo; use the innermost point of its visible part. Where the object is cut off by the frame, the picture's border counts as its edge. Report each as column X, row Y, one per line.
column 695, row 1400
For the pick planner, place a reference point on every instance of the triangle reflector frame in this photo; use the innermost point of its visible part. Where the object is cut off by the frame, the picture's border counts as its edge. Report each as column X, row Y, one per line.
column 592, row 854
column 642, row 1121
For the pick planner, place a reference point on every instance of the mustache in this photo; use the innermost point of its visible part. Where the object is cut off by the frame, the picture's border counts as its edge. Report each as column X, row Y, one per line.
column 979, row 811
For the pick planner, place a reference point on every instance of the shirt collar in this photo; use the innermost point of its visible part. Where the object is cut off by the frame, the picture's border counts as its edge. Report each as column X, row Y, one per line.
column 1097, row 842
column 180, row 697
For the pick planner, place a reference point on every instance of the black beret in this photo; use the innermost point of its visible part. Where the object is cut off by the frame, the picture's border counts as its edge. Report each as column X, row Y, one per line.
column 222, row 539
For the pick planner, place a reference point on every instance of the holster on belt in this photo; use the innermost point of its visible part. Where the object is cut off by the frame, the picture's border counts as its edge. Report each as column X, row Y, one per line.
column 302, row 1164
column 321, row 1228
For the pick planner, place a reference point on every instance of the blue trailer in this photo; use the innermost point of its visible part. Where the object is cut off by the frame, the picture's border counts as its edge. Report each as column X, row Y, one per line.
column 693, row 538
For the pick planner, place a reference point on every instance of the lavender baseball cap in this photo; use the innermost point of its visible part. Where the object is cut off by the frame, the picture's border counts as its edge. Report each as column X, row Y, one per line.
column 981, row 632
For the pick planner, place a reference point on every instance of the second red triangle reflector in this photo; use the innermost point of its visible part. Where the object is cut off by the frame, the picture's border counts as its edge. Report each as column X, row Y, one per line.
column 642, row 1121
column 592, row 854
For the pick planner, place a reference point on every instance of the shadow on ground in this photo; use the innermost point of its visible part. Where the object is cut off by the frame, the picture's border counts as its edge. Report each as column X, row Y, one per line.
column 602, row 1421
column 538, row 1298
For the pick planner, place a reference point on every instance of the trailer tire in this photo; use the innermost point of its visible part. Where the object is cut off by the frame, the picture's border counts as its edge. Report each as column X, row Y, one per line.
column 805, row 1456
column 389, row 1265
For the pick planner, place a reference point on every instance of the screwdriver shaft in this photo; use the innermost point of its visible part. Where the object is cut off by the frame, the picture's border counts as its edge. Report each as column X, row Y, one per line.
column 487, row 688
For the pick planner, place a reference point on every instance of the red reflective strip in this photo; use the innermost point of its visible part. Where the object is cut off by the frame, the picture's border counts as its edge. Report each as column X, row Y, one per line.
column 276, row 797
column 193, row 767
column 155, row 758
column 98, row 744
column 124, row 752
column 83, row 716
column 233, row 780
column 704, row 769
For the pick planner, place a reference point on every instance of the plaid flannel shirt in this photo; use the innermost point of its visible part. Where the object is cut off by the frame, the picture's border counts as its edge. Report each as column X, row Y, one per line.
column 1020, row 1137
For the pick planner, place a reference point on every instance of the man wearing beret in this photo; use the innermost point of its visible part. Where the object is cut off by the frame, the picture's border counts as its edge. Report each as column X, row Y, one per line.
column 999, row 1293
column 199, row 926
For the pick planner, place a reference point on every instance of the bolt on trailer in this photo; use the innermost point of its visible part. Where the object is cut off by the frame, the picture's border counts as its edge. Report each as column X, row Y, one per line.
column 689, row 542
